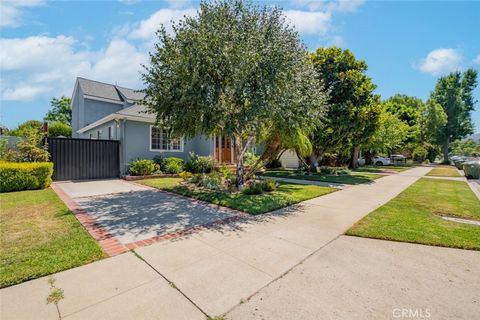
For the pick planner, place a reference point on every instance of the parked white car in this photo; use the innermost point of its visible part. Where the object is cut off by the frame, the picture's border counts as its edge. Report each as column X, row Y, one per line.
column 377, row 160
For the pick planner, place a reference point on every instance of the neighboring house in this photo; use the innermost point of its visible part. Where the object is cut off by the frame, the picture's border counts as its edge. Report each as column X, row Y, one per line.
column 290, row 159
column 110, row 112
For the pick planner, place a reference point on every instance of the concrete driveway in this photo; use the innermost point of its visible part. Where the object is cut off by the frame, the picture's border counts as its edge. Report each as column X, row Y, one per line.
column 132, row 212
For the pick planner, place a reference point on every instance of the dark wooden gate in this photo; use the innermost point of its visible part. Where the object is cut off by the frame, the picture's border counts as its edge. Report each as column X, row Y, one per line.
column 80, row 159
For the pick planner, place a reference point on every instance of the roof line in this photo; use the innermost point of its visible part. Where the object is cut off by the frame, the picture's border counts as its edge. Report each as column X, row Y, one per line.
column 110, row 84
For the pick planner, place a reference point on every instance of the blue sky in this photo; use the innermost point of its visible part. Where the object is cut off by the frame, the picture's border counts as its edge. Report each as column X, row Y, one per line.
column 45, row 45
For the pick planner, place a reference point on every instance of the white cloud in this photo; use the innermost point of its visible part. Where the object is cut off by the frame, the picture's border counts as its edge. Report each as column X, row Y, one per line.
column 317, row 19
column 42, row 66
column 11, row 11
column 145, row 29
column 440, row 61
column 310, row 22
column 39, row 67
column 477, row 59
column 24, row 92
column 120, row 62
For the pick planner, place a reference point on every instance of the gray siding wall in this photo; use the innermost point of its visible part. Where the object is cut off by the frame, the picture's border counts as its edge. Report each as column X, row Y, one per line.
column 77, row 106
column 86, row 111
column 95, row 110
column 136, row 145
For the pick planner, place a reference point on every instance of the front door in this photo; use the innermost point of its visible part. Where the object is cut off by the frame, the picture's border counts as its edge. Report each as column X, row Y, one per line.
column 223, row 150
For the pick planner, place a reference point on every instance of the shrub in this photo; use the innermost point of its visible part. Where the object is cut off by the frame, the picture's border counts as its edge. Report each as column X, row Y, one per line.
column 160, row 161
column 253, row 188
column 212, row 181
column 185, row 175
column 269, row 185
column 29, row 149
column 57, row 129
column 143, row 167
column 197, row 178
column 198, row 164
column 25, row 176
column 274, row 164
column 173, row 165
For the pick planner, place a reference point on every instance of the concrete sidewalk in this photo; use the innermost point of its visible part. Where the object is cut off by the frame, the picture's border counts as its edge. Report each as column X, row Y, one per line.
column 216, row 269
column 356, row 278
column 122, row 287
column 220, row 268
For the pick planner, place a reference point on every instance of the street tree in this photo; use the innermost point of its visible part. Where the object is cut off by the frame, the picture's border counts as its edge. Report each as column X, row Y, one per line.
column 233, row 69
column 354, row 109
column 454, row 92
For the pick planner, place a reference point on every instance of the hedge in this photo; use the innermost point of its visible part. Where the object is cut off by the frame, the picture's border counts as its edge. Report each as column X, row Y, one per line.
column 17, row 176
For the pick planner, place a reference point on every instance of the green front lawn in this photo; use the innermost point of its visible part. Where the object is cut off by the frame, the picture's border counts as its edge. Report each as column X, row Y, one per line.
column 382, row 169
column 285, row 195
column 415, row 216
column 40, row 236
column 352, row 178
column 444, row 171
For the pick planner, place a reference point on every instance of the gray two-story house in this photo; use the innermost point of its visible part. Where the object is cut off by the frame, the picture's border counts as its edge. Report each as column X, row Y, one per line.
column 106, row 111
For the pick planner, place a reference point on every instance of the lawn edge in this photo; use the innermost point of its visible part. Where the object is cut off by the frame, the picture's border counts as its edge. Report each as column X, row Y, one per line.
column 110, row 245
column 410, row 242
column 213, row 205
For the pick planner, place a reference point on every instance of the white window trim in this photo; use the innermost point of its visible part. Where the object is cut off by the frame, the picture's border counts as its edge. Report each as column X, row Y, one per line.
column 163, row 150
column 112, row 136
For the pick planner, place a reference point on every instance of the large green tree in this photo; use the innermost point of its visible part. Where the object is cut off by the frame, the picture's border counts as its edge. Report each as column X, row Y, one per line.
column 354, row 109
column 407, row 108
column 454, row 92
column 27, row 127
column 234, row 69
column 467, row 147
column 431, row 119
column 390, row 134
column 61, row 111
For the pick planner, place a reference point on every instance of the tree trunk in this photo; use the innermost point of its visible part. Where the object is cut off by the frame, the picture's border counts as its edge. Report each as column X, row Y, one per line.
column 313, row 162
column 271, row 152
column 354, row 158
column 314, row 157
column 445, row 151
column 240, row 150
column 368, row 158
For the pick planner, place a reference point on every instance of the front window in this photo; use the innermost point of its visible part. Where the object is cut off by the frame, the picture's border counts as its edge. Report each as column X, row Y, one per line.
column 161, row 140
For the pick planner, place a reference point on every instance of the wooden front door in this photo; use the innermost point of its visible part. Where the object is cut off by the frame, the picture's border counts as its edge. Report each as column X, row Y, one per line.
column 223, row 150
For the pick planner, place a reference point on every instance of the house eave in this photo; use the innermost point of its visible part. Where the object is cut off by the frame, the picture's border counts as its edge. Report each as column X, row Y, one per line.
column 114, row 117
column 103, row 99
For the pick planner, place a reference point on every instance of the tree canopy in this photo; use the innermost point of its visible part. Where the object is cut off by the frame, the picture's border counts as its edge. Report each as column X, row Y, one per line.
column 354, row 109
column 390, row 134
column 61, row 111
column 454, row 92
column 25, row 128
column 234, row 69
column 406, row 108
